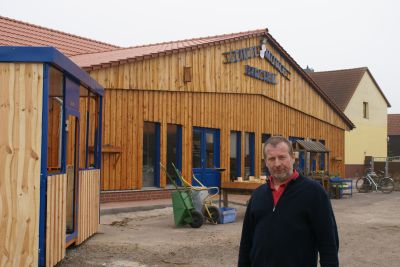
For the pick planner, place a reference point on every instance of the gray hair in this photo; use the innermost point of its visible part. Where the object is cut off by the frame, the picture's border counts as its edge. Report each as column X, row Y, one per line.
column 275, row 140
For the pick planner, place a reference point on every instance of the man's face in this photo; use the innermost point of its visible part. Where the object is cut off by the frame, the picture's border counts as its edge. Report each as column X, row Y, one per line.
column 279, row 161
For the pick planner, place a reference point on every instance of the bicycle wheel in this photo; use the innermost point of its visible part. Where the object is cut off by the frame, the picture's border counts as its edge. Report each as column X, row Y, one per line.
column 386, row 185
column 363, row 185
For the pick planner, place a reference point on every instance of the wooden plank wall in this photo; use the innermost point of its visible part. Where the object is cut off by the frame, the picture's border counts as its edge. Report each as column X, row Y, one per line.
column 20, row 153
column 56, row 218
column 210, row 74
column 88, row 209
column 227, row 112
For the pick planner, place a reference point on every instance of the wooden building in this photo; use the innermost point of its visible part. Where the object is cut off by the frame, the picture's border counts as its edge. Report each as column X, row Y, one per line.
column 50, row 111
column 205, row 104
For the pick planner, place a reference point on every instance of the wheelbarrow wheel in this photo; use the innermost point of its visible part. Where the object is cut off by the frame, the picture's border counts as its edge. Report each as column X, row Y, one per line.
column 197, row 219
column 214, row 212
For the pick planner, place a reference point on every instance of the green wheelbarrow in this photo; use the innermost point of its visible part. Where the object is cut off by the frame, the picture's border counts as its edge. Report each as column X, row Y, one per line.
column 183, row 208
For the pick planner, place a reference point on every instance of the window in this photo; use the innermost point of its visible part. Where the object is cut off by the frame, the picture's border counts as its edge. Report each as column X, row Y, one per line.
column 151, row 154
column 365, row 110
column 235, row 154
column 93, row 129
column 322, row 158
column 299, row 163
column 174, row 149
column 55, row 121
column 83, row 128
column 248, row 155
column 264, row 169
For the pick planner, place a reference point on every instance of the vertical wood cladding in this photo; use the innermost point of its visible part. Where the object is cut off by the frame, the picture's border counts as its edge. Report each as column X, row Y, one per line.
column 88, row 209
column 227, row 112
column 210, row 74
column 20, row 153
column 218, row 96
column 56, row 218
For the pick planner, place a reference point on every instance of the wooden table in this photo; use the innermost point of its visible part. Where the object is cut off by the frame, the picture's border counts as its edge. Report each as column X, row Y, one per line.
column 323, row 180
column 239, row 188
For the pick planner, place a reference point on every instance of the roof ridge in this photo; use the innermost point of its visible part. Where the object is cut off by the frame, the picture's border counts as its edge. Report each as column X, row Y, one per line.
column 172, row 42
column 358, row 68
column 56, row 31
column 197, row 38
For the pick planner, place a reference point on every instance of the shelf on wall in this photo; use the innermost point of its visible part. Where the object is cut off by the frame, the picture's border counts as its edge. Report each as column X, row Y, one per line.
column 108, row 149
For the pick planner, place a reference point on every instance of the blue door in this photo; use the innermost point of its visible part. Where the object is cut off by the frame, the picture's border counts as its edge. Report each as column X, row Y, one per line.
column 205, row 156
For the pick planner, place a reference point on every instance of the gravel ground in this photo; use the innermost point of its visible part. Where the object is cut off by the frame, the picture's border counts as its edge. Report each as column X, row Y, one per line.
column 369, row 230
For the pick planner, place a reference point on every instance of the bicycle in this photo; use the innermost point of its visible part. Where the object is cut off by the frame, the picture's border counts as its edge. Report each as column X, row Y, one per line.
column 366, row 183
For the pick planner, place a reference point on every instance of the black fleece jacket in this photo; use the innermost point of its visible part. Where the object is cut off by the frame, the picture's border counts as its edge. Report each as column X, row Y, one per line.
column 293, row 232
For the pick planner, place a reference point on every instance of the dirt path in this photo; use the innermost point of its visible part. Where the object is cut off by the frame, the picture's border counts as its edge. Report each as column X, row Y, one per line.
column 369, row 229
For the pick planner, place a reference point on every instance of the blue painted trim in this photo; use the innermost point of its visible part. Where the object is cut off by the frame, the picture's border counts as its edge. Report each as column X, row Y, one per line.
column 252, row 154
column 43, row 168
column 52, row 56
column 179, row 147
column 157, row 157
column 216, row 148
column 239, row 153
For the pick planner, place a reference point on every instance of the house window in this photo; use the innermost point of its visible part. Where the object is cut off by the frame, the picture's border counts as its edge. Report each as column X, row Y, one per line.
column 365, row 110
column 235, row 153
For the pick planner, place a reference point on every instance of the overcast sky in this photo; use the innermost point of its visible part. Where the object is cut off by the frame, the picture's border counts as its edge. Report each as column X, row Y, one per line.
column 322, row 34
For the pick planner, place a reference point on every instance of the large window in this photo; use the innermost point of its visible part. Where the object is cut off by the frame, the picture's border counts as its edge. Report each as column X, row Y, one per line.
column 89, row 119
column 264, row 169
column 174, row 148
column 235, row 153
column 196, row 149
column 322, row 158
column 151, row 154
column 55, row 121
column 84, row 120
column 248, row 155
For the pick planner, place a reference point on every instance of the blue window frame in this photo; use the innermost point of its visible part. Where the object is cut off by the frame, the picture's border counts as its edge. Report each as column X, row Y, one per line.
column 205, row 156
column 248, row 155
column 174, row 149
column 235, row 155
column 151, row 155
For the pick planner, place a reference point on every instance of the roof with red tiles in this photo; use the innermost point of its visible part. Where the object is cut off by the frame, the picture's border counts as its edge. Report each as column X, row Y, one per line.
column 393, row 124
column 340, row 85
column 18, row 33
column 123, row 55
column 130, row 54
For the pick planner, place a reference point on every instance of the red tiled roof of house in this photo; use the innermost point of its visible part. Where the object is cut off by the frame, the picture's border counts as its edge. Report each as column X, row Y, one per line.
column 123, row 55
column 340, row 85
column 18, row 33
column 393, row 124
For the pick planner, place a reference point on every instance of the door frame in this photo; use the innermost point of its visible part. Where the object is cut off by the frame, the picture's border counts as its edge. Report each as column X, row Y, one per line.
column 202, row 172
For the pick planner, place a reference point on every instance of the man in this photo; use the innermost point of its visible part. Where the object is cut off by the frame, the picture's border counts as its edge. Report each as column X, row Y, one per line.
column 288, row 220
